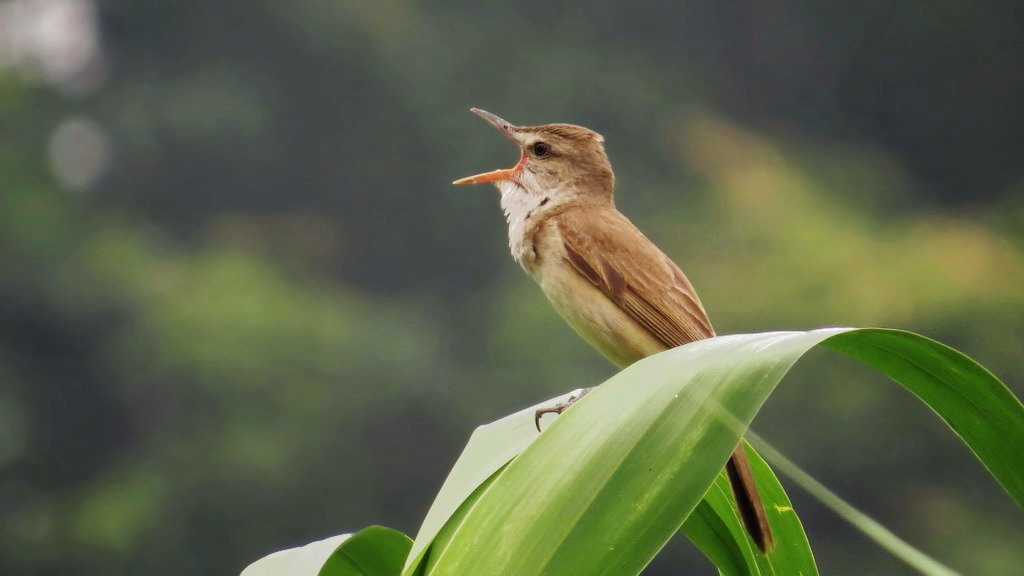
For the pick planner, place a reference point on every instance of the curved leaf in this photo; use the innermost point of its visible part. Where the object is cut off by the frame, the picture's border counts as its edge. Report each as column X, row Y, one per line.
column 972, row 401
column 608, row 482
column 489, row 449
column 373, row 551
column 716, row 528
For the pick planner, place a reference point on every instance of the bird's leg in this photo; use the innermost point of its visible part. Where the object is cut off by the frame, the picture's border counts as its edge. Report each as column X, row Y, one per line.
column 560, row 407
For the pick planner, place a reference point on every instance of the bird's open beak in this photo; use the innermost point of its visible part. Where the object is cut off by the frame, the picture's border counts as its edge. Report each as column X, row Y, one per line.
column 504, row 173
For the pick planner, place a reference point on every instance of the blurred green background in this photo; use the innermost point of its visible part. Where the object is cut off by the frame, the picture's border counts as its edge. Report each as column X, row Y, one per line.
column 242, row 308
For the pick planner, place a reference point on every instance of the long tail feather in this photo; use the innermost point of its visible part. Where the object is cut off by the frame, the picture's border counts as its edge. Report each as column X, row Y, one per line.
column 749, row 500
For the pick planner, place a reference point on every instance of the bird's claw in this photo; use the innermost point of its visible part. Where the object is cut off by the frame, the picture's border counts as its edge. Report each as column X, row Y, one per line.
column 560, row 407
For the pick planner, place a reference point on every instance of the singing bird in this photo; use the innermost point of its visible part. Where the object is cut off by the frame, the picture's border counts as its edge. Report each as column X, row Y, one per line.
column 615, row 288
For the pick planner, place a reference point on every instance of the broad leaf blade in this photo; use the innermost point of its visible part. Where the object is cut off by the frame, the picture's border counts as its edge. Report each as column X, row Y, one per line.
column 972, row 401
column 611, row 480
column 303, row 561
column 489, row 449
column 373, row 551
column 792, row 551
column 716, row 528
column 493, row 445
column 605, row 486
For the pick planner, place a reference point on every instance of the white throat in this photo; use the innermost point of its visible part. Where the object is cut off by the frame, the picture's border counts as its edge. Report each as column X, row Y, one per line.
column 519, row 206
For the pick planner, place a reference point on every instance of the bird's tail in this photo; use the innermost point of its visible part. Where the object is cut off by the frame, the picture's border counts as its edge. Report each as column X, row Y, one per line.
column 749, row 500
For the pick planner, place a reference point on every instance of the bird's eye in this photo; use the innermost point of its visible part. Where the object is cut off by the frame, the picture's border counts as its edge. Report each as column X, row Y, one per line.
column 541, row 149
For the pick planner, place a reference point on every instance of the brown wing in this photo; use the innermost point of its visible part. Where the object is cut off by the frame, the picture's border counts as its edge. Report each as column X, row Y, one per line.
column 605, row 247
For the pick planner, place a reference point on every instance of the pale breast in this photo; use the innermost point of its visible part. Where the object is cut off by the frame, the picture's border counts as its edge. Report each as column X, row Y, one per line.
column 591, row 314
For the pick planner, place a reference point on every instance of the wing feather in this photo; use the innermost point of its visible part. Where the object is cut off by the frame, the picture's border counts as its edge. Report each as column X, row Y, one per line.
column 604, row 247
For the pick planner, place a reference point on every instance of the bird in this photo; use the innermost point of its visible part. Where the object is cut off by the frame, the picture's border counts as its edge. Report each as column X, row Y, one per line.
column 611, row 284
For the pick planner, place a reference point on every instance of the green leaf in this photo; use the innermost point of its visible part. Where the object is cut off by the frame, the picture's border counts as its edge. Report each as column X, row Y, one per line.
column 490, row 448
column 711, row 527
column 637, row 406
column 972, row 401
column 373, row 551
column 609, row 482
column 716, row 528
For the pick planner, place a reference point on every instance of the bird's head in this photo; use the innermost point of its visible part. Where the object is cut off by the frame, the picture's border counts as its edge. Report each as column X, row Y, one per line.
column 561, row 162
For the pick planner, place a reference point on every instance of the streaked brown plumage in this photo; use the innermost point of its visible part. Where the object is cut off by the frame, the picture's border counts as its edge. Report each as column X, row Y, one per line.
column 615, row 287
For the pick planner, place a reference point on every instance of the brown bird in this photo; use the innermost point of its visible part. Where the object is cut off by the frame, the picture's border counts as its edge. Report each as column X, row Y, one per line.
column 604, row 277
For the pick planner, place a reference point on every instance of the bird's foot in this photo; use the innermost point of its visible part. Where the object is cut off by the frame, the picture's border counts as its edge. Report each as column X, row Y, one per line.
column 560, row 407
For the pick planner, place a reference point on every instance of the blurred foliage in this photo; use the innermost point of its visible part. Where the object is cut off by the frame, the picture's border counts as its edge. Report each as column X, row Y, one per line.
column 270, row 292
